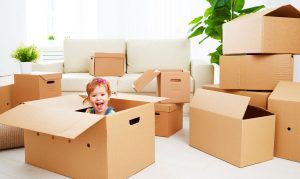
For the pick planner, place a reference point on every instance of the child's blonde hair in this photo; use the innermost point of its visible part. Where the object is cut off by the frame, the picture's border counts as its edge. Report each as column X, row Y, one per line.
column 90, row 87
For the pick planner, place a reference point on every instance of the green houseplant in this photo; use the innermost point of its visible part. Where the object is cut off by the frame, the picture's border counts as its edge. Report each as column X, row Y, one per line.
column 210, row 23
column 51, row 37
column 26, row 55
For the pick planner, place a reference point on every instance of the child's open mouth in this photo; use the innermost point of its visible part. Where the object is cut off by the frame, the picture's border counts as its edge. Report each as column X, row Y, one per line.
column 100, row 105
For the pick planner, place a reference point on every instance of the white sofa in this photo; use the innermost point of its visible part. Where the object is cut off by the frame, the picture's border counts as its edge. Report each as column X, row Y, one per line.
column 141, row 55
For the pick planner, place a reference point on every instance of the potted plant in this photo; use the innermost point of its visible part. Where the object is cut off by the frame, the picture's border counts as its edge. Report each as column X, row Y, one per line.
column 26, row 55
column 210, row 23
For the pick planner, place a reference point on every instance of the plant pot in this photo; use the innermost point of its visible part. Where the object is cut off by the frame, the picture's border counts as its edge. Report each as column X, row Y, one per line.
column 26, row 67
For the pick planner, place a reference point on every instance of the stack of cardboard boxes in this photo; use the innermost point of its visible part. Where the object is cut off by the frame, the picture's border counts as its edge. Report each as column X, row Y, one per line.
column 258, row 54
column 26, row 87
column 175, row 85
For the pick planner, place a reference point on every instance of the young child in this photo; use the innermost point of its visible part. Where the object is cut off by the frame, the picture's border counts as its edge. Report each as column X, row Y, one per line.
column 99, row 93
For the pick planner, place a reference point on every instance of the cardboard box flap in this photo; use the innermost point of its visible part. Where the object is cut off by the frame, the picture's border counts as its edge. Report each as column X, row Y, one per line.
column 145, row 79
column 51, row 77
column 134, row 97
column 108, row 55
column 286, row 90
column 57, row 122
column 222, row 103
column 67, row 102
column 159, row 107
column 283, row 11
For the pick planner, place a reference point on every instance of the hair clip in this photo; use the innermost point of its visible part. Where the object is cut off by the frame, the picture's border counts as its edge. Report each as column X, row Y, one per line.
column 100, row 80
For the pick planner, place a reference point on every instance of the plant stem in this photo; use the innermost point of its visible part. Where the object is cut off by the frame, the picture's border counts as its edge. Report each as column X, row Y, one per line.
column 203, row 39
column 231, row 17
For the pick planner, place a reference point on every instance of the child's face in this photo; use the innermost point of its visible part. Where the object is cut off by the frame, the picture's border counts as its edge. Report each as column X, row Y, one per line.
column 99, row 99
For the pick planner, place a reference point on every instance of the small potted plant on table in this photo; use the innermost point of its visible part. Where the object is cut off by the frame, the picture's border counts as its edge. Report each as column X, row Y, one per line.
column 26, row 55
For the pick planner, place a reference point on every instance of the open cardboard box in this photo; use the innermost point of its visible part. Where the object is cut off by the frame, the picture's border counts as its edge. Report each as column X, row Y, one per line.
column 173, row 84
column 284, row 102
column 107, row 64
column 168, row 119
column 225, row 126
column 270, row 31
column 255, row 72
column 60, row 138
column 37, row 85
column 257, row 98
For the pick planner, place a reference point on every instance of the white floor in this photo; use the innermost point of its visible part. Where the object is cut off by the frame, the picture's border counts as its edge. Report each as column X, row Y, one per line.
column 175, row 159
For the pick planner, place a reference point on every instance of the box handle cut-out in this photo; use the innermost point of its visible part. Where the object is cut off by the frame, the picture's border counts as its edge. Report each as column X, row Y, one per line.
column 50, row 82
column 134, row 121
column 175, row 80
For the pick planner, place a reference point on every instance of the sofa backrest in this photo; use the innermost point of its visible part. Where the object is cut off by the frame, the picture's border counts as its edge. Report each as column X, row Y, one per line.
column 157, row 54
column 77, row 52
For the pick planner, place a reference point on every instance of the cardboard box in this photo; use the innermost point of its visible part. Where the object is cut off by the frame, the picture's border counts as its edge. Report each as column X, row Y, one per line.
column 107, row 64
column 6, row 98
column 168, row 119
column 257, row 98
column 37, row 85
column 61, row 139
column 255, row 72
column 271, row 31
column 10, row 137
column 225, row 126
column 173, row 84
column 284, row 102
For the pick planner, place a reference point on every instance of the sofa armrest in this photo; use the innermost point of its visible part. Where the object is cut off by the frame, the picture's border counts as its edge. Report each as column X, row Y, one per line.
column 49, row 66
column 202, row 73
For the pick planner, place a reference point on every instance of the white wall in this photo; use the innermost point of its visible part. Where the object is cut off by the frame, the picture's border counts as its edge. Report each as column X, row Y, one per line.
column 12, row 33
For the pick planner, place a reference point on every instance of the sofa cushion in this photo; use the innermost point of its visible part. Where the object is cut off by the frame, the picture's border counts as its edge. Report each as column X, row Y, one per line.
column 125, row 84
column 157, row 54
column 78, row 81
column 77, row 52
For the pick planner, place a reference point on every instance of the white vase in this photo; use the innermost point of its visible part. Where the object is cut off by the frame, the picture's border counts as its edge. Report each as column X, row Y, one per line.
column 26, row 67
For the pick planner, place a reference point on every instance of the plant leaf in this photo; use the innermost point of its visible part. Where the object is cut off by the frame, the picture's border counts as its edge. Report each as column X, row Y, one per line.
column 238, row 5
column 214, row 57
column 208, row 11
column 197, row 32
column 196, row 20
column 222, row 3
column 196, row 25
column 251, row 10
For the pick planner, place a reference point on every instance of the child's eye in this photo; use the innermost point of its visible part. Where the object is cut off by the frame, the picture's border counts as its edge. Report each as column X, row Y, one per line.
column 94, row 95
column 102, row 94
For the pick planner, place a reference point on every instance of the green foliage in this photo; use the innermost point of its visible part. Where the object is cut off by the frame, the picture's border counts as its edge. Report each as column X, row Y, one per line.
column 210, row 23
column 51, row 37
column 26, row 53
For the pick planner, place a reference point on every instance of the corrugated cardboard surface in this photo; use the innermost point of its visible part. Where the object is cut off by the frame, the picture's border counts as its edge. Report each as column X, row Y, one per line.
column 166, row 107
column 10, row 137
column 144, row 79
column 5, row 98
column 36, row 86
column 168, row 119
column 257, row 98
column 173, row 84
column 271, row 31
column 241, row 140
column 285, row 103
column 82, row 145
column 107, row 64
column 255, row 72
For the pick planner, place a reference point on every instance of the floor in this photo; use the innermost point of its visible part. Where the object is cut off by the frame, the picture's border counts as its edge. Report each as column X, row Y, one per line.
column 175, row 159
